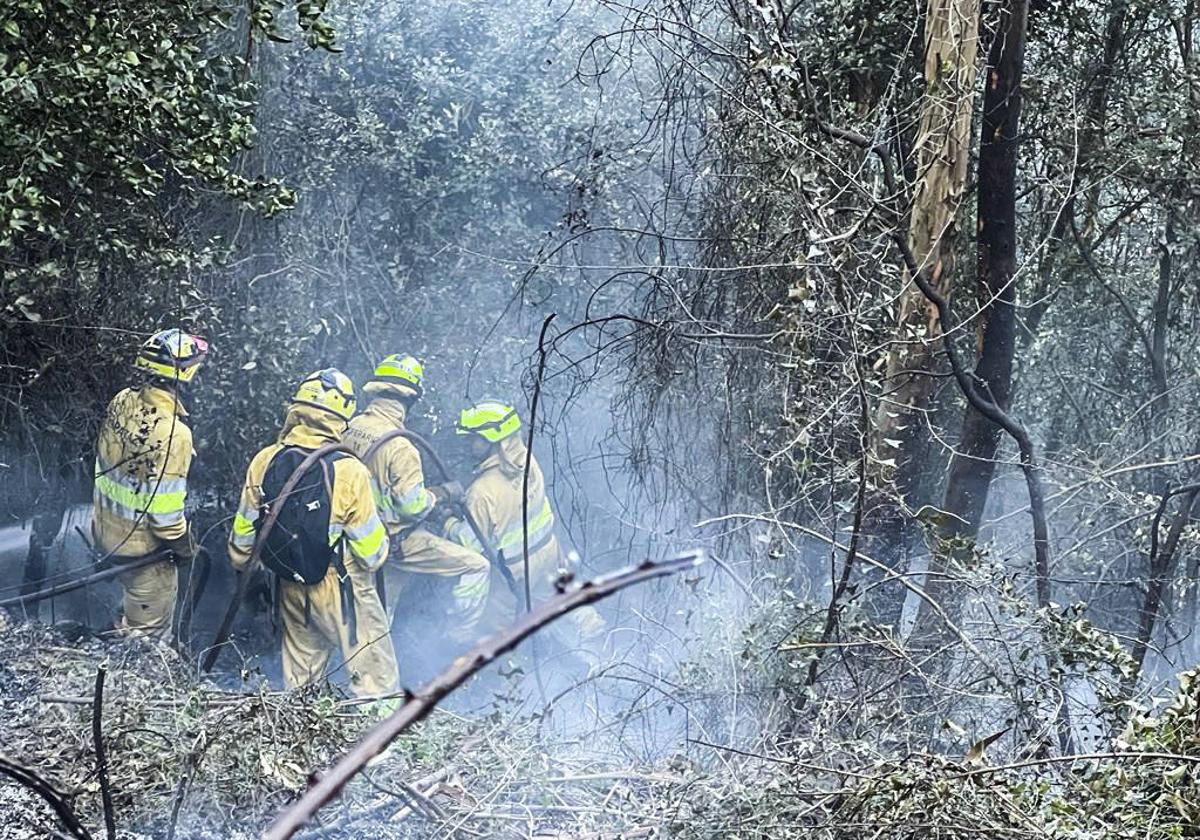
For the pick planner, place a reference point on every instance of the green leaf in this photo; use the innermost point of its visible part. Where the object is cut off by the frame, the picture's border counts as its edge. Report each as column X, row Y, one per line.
column 975, row 754
column 10, row 26
column 131, row 57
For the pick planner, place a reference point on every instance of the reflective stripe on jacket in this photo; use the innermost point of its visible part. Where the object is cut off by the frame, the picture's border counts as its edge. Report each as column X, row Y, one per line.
column 396, row 469
column 143, row 455
column 352, row 504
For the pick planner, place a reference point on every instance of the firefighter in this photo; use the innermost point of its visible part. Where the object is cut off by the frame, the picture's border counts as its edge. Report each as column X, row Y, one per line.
column 407, row 504
column 142, row 458
column 340, row 609
column 494, row 501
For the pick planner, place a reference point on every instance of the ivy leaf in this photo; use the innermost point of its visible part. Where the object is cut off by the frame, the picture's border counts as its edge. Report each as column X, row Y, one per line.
column 25, row 303
column 10, row 26
column 975, row 754
column 131, row 57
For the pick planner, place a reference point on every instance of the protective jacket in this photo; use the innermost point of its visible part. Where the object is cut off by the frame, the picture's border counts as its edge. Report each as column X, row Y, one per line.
column 313, row 618
column 494, row 500
column 142, row 458
column 399, row 480
column 399, row 486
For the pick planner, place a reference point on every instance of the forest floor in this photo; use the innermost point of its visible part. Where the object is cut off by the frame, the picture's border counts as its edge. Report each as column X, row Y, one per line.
column 517, row 756
column 189, row 760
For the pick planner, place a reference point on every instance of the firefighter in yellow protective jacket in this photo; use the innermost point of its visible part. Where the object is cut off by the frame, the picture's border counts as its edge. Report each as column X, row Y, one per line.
column 142, row 458
column 405, row 502
column 315, row 618
column 494, row 501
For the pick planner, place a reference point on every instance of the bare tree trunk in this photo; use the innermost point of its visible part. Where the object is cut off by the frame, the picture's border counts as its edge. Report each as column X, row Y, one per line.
column 1161, row 404
column 973, row 465
column 1161, row 568
column 943, row 152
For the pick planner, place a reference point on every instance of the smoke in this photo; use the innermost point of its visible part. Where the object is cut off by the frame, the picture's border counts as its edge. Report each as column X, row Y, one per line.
column 465, row 171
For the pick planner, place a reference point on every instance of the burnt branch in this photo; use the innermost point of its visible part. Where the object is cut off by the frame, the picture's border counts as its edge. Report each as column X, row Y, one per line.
column 56, row 800
column 110, row 822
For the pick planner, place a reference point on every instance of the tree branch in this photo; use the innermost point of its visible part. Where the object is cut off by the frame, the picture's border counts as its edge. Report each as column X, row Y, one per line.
column 426, row 699
column 110, row 822
column 1158, row 568
column 533, row 407
column 962, row 375
column 30, row 779
column 86, row 580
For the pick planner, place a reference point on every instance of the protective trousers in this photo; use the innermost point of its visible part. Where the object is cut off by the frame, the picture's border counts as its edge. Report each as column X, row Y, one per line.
column 424, row 553
column 313, row 628
column 149, row 601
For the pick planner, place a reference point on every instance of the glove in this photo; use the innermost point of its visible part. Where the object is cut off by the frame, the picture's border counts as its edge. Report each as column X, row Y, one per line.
column 451, row 491
column 184, row 548
column 435, row 521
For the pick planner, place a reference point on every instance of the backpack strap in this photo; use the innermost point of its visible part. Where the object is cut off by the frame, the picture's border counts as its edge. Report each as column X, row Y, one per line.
column 345, row 584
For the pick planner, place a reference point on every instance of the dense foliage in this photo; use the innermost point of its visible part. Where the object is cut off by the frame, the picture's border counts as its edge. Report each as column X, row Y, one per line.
column 722, row 203
column 122, row 126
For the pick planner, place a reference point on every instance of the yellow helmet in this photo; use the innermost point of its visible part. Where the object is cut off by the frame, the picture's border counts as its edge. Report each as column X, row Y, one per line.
column 329, row 389
column 491, row 419
column 405, row 373
column 172, row 354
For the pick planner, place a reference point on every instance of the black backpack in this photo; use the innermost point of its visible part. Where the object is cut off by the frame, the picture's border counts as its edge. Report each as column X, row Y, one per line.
column 297, row 546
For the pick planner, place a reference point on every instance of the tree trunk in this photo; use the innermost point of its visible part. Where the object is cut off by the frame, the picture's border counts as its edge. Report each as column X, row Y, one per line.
column 1160, row 400
column 943, row 151
column 973, row 464
column 1161, row 569
column 1091, row 133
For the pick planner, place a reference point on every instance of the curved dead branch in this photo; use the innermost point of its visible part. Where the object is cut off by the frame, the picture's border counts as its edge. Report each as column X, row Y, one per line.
column 418, row 705
column 79, row 583
column 56, row 800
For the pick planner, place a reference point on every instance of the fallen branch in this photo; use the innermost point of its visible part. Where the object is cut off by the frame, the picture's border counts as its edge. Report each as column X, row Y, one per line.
column 110, row 821
column 426, row 699
column 417, row 796
column 428, row 787
column 30, row 779
column 185, row 782
column 86, row 580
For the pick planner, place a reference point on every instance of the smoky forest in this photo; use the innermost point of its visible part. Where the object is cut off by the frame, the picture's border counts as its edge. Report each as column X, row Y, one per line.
column 600, row 419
